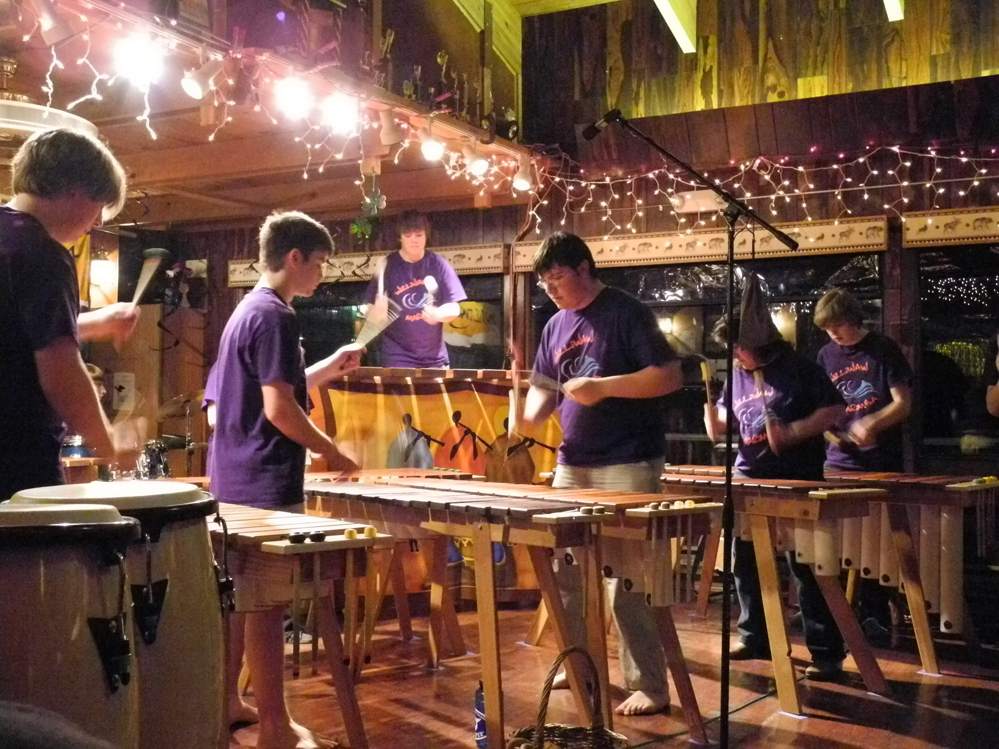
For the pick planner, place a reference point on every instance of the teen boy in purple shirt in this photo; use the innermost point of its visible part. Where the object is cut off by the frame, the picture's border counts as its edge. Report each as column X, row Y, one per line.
column 260, row 388
column 416, row 338
column 871, row 373
column 612, row 365
column 63, row 182
column 801, row 404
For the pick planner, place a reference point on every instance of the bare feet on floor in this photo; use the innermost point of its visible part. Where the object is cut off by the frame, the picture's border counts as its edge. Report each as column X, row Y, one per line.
column 292, row 737
column 242, row 713
column 643, row 703
column 561, row 681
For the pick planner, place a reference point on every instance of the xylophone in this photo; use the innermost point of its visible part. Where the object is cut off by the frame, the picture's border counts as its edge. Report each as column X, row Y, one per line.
column 541, row 525
column 807, row 515
column 642, row 542
column 278, row 555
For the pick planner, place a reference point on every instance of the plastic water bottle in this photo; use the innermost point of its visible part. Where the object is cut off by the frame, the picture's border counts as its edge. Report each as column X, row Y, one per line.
column 480, row 718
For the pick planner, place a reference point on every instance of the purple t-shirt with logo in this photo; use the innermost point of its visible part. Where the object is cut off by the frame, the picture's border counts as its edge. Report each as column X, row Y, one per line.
column 252, row 461
column 410, row 341
column 39, row 304
column 794, row 388
column 614, row 335
column 864, row 374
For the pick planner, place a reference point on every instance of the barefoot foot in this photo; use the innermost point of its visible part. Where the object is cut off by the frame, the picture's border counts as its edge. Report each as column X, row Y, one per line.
column 291, row 736
column 242, row 713
column 643, row 703
column 561, row 681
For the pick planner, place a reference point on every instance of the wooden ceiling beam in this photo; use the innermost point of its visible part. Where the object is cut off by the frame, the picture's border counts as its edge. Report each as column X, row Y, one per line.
column 540, row 7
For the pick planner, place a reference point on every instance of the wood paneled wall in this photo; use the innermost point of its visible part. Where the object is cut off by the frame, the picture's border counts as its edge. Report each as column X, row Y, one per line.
column 579, row 64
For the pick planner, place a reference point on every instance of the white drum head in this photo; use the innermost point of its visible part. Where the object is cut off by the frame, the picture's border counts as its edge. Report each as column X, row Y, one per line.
column 27, row 516
column 124, row 495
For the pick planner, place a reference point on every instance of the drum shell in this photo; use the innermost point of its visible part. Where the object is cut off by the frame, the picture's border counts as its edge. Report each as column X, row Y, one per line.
column 180, row 673
column 48, row 653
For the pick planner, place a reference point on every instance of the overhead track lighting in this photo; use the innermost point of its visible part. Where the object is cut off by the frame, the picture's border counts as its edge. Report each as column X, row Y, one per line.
column 431, row 148
column 522, row 179
column 140, row 59
column 339, row 113
column 197, row 83
column 53, row 27
column 293, row 97
column 475, row 163
column 391, row 133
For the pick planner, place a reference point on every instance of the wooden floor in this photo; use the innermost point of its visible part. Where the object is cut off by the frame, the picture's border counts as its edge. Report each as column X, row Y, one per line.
column 406, row 706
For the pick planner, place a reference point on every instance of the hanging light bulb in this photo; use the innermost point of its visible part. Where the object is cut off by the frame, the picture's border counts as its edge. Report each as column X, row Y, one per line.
column 390, row 133
column 475, row 163
column 522, row 179
column 432, row 149
column 293, row 97
column 139, row 58
column 339, row 113
column 197, row 83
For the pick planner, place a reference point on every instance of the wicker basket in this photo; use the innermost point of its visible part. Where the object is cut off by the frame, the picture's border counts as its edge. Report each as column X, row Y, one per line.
column 556, row 736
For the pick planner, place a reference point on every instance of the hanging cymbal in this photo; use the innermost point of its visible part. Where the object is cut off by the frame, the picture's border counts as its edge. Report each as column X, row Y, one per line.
column 177, row 407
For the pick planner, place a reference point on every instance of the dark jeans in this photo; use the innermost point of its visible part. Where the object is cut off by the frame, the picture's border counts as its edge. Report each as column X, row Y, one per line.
column 821, row 633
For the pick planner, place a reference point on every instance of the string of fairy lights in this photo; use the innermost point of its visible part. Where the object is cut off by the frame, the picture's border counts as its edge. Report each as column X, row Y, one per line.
column 881, row 175
column 332, row 127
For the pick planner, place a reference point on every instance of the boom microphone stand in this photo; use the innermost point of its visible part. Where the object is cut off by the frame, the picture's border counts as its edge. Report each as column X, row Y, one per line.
column 734, row 211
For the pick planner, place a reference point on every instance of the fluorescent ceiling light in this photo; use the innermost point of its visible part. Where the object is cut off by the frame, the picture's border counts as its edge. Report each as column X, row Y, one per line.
column 681, row 17
column 895, row 9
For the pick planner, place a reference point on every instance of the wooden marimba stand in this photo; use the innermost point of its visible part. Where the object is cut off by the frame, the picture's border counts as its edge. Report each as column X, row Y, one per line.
column 259, row 538
column 652, row 533
column 540, row 525
column 814, row 510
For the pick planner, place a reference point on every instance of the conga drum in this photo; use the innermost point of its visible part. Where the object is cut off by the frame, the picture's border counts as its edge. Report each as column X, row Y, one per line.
column 66, row 642
column 175, row 598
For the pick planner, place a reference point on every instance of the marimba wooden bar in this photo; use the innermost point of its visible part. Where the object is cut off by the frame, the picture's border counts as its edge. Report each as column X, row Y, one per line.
column 812, row 509
column 653, row 532
column 257, row 542
column 538, row 524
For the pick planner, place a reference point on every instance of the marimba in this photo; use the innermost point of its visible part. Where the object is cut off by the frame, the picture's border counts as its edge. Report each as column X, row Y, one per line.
column 642, row 541
column 260, row 548
column 541, row 525
column 809, row 513
column 939, row 540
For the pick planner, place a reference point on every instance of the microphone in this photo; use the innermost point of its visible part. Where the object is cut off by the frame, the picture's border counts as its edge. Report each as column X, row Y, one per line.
column 592, row 131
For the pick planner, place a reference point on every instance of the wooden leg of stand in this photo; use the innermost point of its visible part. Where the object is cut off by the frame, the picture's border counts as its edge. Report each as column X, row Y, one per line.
column 327, row 628
column 908, row 568
column 435, row 552
column 552, row 603
column 384, row 559
column 595, row 600
column 773, row 609
column 538, row 625
column 711, row 543
column 851, row 585
column 350, row 606
column 398, row 576
column 681, row 676
column 853, row 635
column 485, row 593
column 362, row 646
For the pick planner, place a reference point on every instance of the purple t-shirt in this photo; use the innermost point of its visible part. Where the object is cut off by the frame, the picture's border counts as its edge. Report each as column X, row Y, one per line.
column 39, row 304
column 410, row 341
column 252, row 461
column 614, row 335
column 794, row 388
column 864, row 375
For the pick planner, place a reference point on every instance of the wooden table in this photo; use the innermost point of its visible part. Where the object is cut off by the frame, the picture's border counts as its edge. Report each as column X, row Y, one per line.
column 538, row 524
column 259, row 540
column 82, row 470
column 812, row 510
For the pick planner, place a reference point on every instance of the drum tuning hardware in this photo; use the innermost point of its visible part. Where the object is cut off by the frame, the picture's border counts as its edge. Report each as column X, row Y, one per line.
column 147, row 604
column 111, row 638
column 227, row 588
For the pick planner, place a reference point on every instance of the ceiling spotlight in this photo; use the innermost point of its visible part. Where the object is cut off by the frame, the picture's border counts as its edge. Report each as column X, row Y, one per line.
column 51, row 23
column 432, row 149
column 197, row 83
column 339, row 113
column 293, row 97
column 522, row 179
column 139, row 58
column 475, row 163
column 390, row 133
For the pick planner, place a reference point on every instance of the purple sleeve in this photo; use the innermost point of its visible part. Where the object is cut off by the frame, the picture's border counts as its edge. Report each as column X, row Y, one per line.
column 449, row 284
column 48, row 297
column 211, row 389
column 276, row 350
column 897, row 369
column 646, row 342
column 543, row 364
